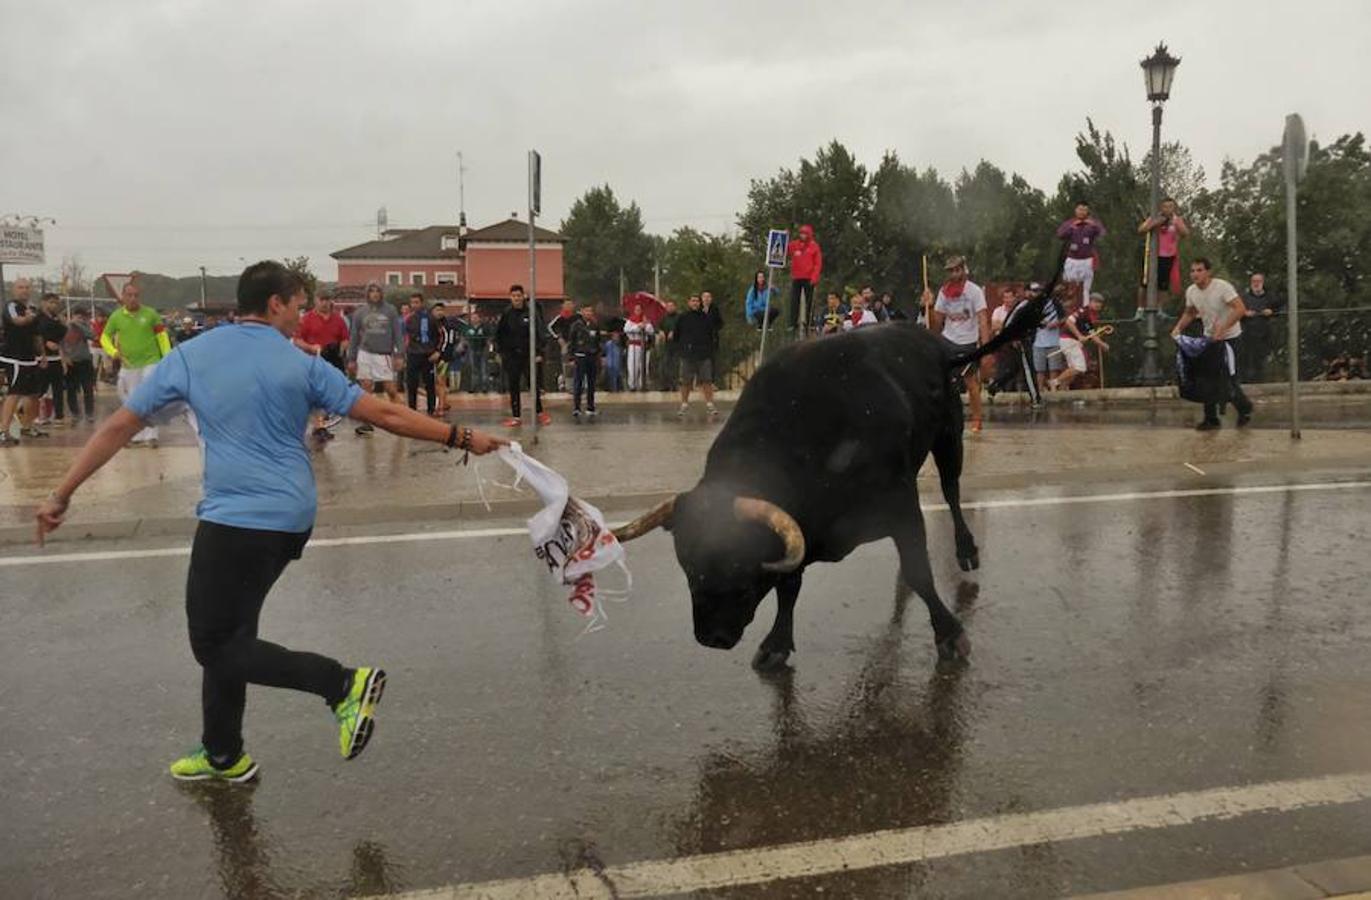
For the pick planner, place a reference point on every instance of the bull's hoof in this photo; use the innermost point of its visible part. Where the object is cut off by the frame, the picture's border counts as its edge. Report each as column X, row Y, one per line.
column 970, row 561
column 769, row 660
column 955, row 649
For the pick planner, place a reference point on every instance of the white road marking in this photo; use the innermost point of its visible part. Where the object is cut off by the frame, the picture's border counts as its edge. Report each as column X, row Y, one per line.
column 905, row 846
column 470, row 534
column 1194, row 468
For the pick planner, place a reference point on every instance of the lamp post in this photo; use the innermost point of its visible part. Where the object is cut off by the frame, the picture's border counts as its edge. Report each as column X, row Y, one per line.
column 1158, row 70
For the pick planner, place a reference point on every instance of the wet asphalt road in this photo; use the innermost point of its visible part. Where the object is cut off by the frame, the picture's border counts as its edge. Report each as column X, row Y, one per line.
column 1131, row 648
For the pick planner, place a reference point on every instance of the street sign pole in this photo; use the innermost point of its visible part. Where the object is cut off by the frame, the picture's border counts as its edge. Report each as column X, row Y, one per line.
column 1295, row 156
column 777, row 244
column 766, row 315
column 535, row 177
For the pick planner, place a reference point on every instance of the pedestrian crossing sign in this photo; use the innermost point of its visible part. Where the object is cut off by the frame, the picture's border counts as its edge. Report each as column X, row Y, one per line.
column 777, row 242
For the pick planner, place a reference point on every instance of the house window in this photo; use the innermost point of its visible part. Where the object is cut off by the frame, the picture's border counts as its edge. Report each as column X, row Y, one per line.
column 445, row 278
column 416, row 278
column 394, row 277
column 449, row 243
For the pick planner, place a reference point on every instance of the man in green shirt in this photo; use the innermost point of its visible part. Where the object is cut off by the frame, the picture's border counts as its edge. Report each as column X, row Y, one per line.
column 136, row 336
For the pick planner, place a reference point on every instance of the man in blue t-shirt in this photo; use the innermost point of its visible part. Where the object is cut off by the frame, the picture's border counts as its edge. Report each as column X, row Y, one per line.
column 252, row 393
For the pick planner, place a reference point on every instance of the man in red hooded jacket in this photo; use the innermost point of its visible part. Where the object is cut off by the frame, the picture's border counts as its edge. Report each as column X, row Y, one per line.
column 806, row 264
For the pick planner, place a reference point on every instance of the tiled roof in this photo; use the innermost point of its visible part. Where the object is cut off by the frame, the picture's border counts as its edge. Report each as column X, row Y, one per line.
column 410, row 243
column 513, row 231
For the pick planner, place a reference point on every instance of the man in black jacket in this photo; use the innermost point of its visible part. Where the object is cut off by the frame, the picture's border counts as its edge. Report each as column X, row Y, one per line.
column 511, row 342
column 694, row 337
column 423, row 337
column 583, row 338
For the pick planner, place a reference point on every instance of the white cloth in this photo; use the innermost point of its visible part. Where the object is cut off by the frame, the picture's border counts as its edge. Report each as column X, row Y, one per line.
column 997, row 318
column 569, row 536
column 129, row 379
column 1212, row 304
column 859, row 319
column 961, row 323
column 375, row 367
column 1081, row 271
column 1074, row 354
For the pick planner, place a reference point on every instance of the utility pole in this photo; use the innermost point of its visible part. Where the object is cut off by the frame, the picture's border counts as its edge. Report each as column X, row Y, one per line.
column 461, row 191
column 202, row 289
column 535, row 202
column 1294, row 159
column 657, row 278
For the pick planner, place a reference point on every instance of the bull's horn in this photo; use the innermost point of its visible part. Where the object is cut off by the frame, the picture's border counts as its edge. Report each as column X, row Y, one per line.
column 657, row 517
column 750, row 509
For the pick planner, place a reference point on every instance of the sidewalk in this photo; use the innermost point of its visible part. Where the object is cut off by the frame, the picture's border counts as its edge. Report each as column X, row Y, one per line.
column 638, row 452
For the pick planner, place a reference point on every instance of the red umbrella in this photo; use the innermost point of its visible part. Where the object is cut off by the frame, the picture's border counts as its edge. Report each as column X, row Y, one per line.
column 653, row 309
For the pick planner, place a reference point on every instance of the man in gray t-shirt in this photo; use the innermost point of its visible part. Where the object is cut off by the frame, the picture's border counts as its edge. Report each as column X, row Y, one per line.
column 1215, row 303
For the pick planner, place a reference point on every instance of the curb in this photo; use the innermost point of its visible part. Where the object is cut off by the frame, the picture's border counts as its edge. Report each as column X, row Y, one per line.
column 1349, row 877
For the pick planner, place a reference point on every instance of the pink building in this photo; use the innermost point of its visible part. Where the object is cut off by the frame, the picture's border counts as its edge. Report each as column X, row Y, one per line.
column 451, row 261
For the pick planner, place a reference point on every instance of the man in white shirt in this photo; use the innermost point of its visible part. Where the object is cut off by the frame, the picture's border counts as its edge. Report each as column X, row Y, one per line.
column 1216, row 304
column 961, row 317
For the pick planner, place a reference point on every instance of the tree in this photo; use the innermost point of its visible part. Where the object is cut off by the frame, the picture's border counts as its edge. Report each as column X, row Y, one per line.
column 603, row 239
column 696, row 261
column 75, row 280
column 1247, row 213
column 300, row 266
column 1182, row 178
column 831, row 193
column 1002, row 224
column 912, row 216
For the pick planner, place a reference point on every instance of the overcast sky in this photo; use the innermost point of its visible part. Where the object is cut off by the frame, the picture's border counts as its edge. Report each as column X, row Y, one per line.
column 167, row 135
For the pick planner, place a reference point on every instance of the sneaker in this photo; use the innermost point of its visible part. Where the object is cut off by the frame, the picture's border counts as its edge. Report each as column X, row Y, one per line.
column 1139, row 315
column 1244, row 419
column 590, row 413
column 364, row 430
column 196, row 766
column 1209, row 425
column 544, row 418
column 576, row 414
column 33, row 431
column 513, row 422
column 1036, row 404
column 976, row 426
column 680, row 413
column 354, row 712
column 6, row 440
column 41, row 421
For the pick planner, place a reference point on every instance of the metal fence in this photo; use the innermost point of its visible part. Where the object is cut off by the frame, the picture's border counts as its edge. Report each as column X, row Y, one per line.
column 1326, row 335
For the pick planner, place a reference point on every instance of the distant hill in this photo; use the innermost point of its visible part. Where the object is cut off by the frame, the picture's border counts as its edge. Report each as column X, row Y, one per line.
column 162, row 291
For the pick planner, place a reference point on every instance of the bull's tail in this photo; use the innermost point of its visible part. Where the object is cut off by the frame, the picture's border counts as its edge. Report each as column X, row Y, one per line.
column 1025, row 318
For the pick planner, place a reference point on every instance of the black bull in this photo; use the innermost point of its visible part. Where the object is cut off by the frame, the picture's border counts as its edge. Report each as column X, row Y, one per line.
column 820, row 455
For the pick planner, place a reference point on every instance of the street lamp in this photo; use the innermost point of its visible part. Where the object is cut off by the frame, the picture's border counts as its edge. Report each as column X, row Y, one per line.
column 1158, row 71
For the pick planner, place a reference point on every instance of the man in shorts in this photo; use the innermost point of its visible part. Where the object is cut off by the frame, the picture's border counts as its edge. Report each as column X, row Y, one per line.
column 252, row 393
column 961, row 317
column 1047, row 361
column 694, row 338
column 21, row 356
column 135, row 337
column 1081, row 233
column 374, row 351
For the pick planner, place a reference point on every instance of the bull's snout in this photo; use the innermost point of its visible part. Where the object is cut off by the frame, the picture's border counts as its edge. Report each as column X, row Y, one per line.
column 719, row 637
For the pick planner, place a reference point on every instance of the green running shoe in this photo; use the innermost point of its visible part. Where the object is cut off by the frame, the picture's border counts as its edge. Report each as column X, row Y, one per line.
column 354, row 713
column 197, row 767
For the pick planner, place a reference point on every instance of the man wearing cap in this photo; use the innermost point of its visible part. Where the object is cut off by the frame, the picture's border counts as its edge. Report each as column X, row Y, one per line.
column 806, row 265
column 1081, row 233
column 961, row 317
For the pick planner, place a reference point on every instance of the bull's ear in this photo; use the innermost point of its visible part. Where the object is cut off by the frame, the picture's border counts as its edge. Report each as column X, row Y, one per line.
column 657, row 517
